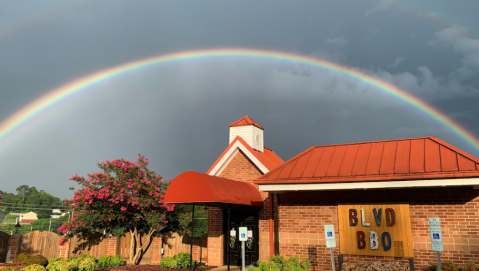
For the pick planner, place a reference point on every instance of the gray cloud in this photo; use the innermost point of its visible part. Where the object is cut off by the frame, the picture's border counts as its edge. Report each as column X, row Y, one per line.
column 397, row 61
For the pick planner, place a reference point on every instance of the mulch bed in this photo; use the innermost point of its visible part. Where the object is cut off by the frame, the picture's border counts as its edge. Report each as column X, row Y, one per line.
column 201, row 267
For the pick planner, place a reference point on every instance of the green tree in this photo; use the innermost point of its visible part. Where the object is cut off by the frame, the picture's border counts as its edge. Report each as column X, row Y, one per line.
column 22, row 192
column 184, row 220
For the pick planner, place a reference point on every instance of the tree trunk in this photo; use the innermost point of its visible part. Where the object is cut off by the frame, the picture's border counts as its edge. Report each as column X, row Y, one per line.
column 136, row 248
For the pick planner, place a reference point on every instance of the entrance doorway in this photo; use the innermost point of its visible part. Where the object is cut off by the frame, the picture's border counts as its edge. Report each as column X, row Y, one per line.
column 241, row 218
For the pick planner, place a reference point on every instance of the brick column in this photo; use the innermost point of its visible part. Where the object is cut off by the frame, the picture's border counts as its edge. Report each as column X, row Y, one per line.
column 63, row 250
column 196, row 248
column 112, row 246
column 13, row 247
column 215, row 237
column 156, row 250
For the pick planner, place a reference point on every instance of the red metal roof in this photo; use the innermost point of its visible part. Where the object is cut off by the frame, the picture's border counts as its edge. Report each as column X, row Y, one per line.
column 198, row 188
column 268, row 158
column 401, row 159
column 245, row 121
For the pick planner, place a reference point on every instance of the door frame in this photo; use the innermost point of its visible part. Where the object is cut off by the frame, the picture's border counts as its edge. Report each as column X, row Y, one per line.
column 239, row 215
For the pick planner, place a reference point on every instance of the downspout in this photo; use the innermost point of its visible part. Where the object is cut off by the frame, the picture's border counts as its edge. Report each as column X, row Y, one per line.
column 271, row 242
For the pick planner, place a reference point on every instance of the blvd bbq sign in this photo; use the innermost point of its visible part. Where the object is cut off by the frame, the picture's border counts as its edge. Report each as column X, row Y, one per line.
column 375, row 229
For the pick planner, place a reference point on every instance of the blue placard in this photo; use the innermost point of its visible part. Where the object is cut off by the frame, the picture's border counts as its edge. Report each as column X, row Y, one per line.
column 329, row 234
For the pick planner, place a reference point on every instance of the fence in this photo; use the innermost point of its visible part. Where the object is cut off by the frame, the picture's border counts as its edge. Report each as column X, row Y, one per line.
column 3, row 246
column 47, row 244
column 36, row 242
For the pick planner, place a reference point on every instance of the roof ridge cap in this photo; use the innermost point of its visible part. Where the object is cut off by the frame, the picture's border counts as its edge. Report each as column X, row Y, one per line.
column 367, row 142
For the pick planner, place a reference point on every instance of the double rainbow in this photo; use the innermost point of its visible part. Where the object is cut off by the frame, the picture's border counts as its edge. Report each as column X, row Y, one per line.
column 63, row 92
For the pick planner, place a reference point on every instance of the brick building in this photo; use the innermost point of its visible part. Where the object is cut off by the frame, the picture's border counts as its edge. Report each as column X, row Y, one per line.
column 378, row 195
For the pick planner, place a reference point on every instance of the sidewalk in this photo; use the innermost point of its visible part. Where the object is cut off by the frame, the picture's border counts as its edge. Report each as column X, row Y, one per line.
column 225, row 268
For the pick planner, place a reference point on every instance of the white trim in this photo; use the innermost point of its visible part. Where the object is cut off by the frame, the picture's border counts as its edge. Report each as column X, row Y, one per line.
column 238, row 145
column 369, row 185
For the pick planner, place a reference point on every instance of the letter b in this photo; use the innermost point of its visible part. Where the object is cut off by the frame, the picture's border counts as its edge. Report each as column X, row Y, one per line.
column 373, row 240
column 353, row 217
column 361, row 241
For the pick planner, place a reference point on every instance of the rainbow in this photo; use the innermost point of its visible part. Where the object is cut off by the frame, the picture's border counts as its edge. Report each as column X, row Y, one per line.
column 61, row 93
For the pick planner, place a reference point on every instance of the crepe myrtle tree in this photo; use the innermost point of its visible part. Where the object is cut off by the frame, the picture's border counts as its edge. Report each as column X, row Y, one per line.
column 124, row 197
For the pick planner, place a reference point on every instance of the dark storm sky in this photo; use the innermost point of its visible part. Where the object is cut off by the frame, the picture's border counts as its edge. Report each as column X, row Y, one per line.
column 178, row 114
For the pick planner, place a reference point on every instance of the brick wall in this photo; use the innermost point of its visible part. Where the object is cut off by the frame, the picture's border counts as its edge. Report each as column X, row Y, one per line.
column 302, row 216
column 13, row 247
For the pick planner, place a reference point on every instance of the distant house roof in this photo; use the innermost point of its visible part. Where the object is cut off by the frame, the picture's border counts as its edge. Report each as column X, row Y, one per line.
column 265, row 161
column 400, row 159
column 246, row 120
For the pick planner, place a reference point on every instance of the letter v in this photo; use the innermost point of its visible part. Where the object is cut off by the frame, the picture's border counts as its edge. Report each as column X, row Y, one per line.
column 377, row 216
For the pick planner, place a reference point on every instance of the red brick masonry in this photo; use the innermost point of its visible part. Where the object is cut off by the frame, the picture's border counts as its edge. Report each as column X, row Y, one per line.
column 302, row 216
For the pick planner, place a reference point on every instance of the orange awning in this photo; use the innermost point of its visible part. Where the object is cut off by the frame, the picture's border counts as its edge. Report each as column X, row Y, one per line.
column 198, row 188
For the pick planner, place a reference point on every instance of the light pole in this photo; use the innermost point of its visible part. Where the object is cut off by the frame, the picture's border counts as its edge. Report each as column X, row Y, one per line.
column 17, row 227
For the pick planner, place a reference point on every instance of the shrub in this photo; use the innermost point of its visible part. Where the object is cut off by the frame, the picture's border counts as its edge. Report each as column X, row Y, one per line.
column 116, row 261
column 279, row 263
column 182, row 260
column 103, row 261
column 112, row 261
column 88, row 256
column 62, row 266
column 34, row 267
column 168, row 263
column 87, row 264
column 39, row 259
column 23, row 258
column 450, row 266
column 7, row 268
column 52, row 260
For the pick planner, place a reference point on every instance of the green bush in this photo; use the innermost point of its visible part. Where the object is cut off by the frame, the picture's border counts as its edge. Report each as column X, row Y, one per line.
column 279, row 263
column 103, row 262
column 34, row 267
column 52, row 260
column 112, row 261
column 39, row 259
column 72, row 259
column 23, row 258
column 88, row 256
column 182, row 260
column 62, row 265
column 116, row 261
column 87, row 264
column 450, row 266
column 168, row 263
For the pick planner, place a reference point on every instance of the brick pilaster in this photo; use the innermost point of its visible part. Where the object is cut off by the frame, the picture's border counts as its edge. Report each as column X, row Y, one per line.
column 215, row 237
column 196, row 248
column 13, row 247
column 112, row 246
column 155, row 250
column 63, row 250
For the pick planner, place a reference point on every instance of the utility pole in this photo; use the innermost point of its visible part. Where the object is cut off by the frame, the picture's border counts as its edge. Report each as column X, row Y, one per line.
column 50, row 227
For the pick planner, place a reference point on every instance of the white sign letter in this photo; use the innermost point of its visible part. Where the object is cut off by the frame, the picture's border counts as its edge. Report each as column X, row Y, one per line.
column 363, row 219
column 373, row 240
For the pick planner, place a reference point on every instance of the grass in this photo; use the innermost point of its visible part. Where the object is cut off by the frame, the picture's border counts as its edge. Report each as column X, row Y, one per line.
column 9, row 219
